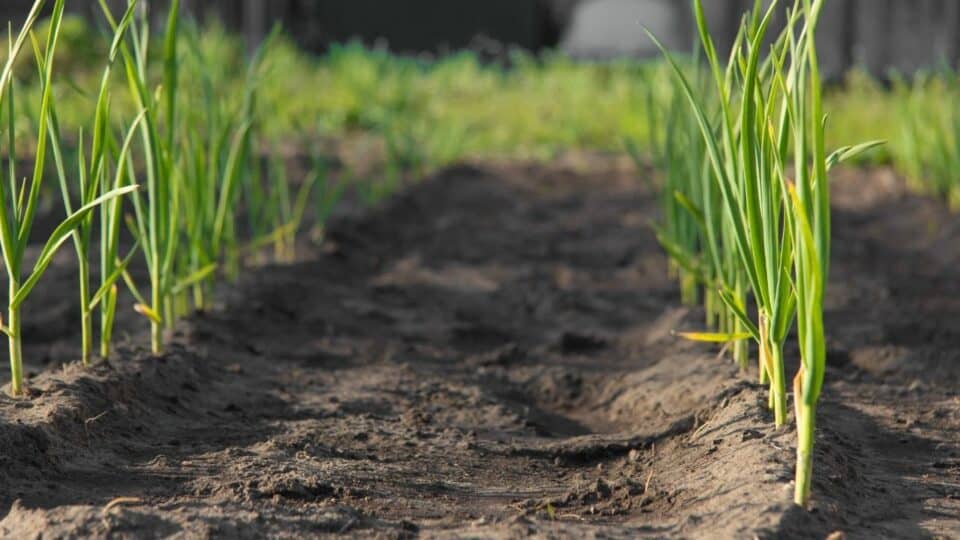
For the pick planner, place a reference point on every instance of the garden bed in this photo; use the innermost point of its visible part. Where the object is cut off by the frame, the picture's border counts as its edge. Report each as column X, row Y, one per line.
column 490, row 353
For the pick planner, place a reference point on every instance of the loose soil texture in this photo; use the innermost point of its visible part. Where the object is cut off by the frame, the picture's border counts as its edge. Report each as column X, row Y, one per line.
column 489, row 354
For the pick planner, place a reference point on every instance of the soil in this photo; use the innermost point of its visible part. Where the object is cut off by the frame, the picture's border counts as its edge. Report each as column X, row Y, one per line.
column 489, row 354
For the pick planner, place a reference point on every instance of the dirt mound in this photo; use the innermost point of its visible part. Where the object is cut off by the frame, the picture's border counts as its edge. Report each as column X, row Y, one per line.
column 489, row 354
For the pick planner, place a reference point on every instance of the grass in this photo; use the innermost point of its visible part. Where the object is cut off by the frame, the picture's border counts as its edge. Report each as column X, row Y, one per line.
column 426, row 112
column 926, row 146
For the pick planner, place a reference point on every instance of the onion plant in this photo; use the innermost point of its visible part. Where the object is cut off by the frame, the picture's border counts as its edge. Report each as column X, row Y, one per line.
column 277, row 213
column 681, row 156
column 695, row 230
column 157, row 208
column 809, row 223
column 771, row 111
column 286, row 208
column 326, row 196
column 742, row 149
column 217, row 153
column 93, row 179
column 197, row 148
column 18, row 204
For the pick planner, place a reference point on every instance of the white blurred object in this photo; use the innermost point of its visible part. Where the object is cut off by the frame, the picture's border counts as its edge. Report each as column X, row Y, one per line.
column 610, row 28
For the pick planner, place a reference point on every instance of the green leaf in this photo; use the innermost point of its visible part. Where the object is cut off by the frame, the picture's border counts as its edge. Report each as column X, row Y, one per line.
column 741, row 234
column 302, row 198
column 6, row 329
column 148, row 312
column 132, row 287
column 691, row 208
column 849, row 152
column 633, row 151
column 735, row 307
column 111, row 279
column 58, row 237
column 194, row 278
column 32, row 200
column 681, row 256
column 231, row 173
column 714, row 337
column 21, row 38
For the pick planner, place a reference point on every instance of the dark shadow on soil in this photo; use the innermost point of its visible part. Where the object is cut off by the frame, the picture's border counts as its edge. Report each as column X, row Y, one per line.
column 869, row 481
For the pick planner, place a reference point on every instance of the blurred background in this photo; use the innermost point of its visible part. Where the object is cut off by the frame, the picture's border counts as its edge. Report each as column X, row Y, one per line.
column 385, row 92
column 877, row 35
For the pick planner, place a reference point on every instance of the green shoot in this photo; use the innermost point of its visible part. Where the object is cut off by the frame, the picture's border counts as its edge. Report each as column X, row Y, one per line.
column 810, row 224
column 771, row 112
column 157, row 210
column 289, row 209
column 93, row 180
column 743, row 154
column 18, row 206
column 216, row 151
